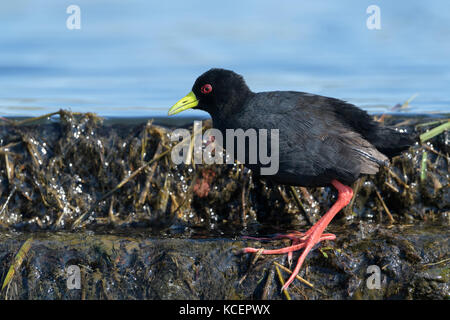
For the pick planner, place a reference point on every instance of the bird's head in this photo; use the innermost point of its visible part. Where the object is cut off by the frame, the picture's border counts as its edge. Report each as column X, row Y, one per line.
column 216, row 91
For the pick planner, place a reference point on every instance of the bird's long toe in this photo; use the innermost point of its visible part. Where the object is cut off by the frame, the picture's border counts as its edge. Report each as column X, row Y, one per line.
column 299, row 241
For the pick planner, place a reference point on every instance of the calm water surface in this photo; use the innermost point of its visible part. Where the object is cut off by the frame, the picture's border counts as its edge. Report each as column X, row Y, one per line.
column 136, row 58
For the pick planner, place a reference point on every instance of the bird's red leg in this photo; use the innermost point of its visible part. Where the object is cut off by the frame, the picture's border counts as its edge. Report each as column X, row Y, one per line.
column 314, row 235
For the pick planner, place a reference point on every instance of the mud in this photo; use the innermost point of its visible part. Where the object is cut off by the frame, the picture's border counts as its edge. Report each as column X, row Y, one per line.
column 104, row 195
column 413, row 264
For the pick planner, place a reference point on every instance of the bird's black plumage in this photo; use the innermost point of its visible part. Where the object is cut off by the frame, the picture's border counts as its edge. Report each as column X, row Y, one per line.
column 321, row 141
column 320, row 138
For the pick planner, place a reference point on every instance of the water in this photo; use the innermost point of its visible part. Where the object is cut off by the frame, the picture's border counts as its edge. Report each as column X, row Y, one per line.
column 136, row 58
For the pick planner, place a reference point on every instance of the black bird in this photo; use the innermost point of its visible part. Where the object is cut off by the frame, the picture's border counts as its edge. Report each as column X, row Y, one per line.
column 322, row 141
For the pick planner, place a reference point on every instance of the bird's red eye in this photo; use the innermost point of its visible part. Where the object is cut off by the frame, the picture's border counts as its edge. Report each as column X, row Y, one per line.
column 207, row 88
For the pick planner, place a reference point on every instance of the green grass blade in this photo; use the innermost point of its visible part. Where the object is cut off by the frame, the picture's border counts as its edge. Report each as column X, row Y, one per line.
column 20, row 256
column 434, row 132
column 423, row 167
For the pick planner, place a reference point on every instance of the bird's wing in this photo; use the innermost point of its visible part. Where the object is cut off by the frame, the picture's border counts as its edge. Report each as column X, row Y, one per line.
column 314, row 142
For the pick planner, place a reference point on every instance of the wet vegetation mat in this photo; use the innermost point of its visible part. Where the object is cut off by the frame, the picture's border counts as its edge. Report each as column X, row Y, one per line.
column 104, row 195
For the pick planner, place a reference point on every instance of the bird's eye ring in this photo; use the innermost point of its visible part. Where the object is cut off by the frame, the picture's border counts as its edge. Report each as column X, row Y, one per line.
column 207, row 88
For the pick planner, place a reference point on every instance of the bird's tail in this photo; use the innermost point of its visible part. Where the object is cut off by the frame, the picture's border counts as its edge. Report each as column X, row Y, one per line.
column 392, row 142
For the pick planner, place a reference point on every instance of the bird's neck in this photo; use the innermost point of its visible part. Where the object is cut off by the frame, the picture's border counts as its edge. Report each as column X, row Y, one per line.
column 231, row 107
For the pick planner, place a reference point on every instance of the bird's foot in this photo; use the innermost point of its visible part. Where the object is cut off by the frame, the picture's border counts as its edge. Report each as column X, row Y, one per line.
column 299, row 241
column 311, row 237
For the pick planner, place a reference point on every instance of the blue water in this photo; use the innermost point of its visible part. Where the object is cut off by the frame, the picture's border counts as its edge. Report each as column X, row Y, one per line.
column 136, row 58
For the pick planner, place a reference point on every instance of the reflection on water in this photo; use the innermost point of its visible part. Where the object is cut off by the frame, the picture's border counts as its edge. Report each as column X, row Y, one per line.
column 137, row 58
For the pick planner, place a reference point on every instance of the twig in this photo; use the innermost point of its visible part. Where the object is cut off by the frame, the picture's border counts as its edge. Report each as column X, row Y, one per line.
column 436, row 263
column 391, row 218
column 120, row 185
column 19, row 123
column 144, row 139
column 149, row 178
column 280, row 277
column 349, row 209
column 257, row 255
column 268, row 285
column 9, row 169
column 300, row 205
column 7, row 200
column 309, row 284
column 244, row 220
column 434, row 151
column 390, row 186
column 396, row 177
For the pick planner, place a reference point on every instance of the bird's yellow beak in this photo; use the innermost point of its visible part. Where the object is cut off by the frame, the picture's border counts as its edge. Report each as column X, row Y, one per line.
column 188, row 102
